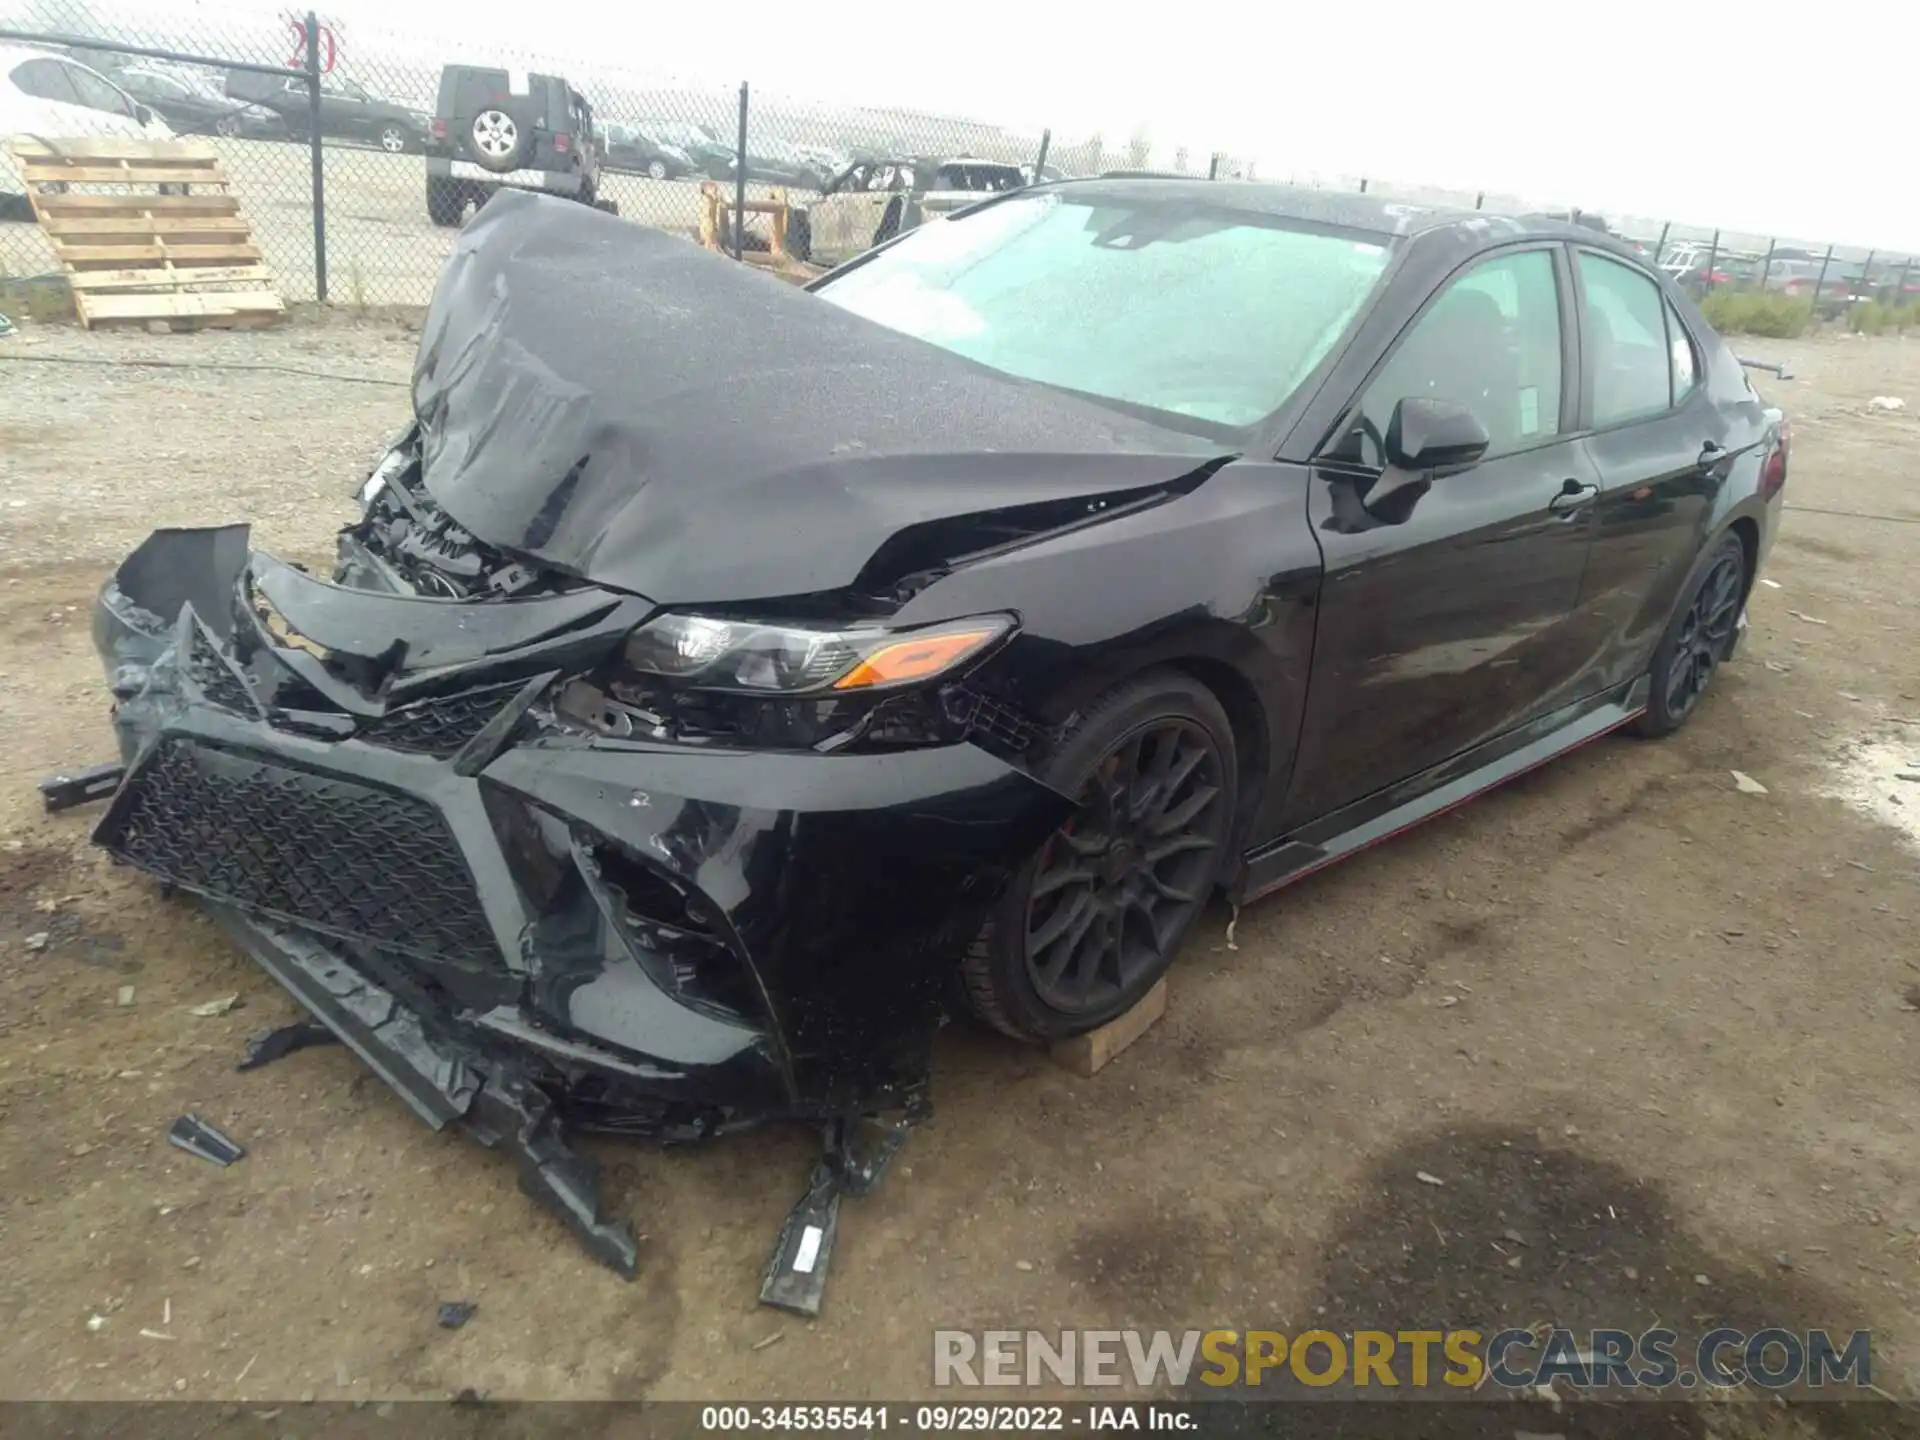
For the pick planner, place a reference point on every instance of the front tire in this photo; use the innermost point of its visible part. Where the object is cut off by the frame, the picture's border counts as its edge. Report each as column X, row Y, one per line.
column 395, row 140
column 1092, row 921
column 1698, row 638
column 657, row 170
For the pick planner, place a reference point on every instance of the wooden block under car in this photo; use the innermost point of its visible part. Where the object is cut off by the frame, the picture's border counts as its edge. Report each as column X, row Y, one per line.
column 1085, row 1055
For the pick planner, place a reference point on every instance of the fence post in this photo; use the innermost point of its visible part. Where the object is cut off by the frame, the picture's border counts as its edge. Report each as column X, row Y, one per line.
column 1363, row 184
column 1713, row 255
column 1866, row 276
column 740, row 181
column 1040, row 160
column 1766, row 265
column 1820, row 280
column 319, row 168
column 1660, row 247
column 1213, row 166
column 1480, row 201
column 1900, row 292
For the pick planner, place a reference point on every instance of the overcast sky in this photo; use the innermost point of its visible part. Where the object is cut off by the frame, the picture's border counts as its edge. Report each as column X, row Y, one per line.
column 1796, row 121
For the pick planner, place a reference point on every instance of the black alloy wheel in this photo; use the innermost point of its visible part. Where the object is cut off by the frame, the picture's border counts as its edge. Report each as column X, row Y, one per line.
column 1093, row 920
column 1699, row 637
column 1114, row 893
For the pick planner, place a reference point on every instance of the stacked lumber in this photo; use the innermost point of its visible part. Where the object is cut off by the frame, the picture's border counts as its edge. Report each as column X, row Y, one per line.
column 147, row 231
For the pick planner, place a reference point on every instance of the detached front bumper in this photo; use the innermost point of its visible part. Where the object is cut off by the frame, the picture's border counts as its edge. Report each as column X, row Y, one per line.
column 519, row 924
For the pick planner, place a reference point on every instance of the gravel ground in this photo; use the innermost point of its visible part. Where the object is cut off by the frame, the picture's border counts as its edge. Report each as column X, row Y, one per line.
column 1655, row 1026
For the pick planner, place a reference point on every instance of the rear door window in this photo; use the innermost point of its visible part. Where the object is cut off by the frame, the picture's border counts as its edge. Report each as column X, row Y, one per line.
column 1686, row 364
column 45, row 80
column 1626, row 342
column 97, row 94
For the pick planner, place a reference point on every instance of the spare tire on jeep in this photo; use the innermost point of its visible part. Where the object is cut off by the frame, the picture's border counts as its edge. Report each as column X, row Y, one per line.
column 499, row 140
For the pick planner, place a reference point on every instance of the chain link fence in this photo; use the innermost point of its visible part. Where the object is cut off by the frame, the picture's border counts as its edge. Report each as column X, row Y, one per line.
column 354, row 154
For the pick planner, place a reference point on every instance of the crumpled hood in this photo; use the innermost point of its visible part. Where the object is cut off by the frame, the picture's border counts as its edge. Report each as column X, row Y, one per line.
column 624, row 406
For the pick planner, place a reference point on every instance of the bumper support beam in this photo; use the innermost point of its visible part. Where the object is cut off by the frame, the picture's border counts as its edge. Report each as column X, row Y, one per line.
column 499, row 1108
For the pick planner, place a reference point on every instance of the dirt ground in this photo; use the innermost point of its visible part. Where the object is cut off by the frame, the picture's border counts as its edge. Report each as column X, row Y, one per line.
column 1651, row 1024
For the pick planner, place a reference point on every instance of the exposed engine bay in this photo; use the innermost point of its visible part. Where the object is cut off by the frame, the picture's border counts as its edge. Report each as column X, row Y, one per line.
column 407, row 544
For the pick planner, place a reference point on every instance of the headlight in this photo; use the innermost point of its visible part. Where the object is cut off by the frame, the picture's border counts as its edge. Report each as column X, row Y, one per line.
column 705, row 653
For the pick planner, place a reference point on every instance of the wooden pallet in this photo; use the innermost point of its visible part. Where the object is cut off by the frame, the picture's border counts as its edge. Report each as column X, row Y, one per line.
column 770, row 251
column 148, row 232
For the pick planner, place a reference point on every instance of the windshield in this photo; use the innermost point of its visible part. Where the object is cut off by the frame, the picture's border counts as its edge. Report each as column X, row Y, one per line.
column 1211, row 313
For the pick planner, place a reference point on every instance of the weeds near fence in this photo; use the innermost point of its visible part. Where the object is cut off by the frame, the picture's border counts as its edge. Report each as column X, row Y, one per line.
column 1756, row 312
column 1873, row 318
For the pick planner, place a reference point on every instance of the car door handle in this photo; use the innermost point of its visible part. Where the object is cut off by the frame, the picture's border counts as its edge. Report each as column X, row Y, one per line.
column 1711, row 455
column 1573, row 498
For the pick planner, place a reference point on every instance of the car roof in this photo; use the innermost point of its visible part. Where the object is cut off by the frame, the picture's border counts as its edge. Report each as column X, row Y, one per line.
column 1347, row 209
column 12, row 55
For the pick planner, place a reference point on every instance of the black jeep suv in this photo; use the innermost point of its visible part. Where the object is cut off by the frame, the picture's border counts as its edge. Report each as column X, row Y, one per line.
column 508, row 127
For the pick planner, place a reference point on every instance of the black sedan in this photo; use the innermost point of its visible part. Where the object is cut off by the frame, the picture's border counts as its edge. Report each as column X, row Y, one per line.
column 194, row 105
column 723, row 676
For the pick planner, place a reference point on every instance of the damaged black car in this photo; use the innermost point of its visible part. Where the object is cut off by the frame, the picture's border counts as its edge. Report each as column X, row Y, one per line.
column 727, row 682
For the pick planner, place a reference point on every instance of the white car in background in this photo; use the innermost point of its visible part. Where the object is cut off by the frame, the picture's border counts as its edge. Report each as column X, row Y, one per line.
column 53, row 98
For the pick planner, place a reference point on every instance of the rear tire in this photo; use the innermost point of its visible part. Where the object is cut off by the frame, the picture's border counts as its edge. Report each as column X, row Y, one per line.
column 657, row 170
column 1701, row 634
column 446, row 202
column 1092, row 921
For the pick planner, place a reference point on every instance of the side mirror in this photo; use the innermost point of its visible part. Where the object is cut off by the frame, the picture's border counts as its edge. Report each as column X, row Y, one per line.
column 142, row 114
column 1434, row 437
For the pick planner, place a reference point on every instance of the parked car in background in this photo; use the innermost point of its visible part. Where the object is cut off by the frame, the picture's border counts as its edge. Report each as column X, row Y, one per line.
column 194, row 104
column 53, row 97
column 873, row 200
column 776, row 162
column 712, row 156
column 627, row 146
column 493, row 128
column 1835, row 280
column 348, row 110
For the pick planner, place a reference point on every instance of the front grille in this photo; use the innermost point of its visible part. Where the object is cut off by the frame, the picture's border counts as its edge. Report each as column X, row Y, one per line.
column 215, row 678
column 321, row 851
column 441, row 726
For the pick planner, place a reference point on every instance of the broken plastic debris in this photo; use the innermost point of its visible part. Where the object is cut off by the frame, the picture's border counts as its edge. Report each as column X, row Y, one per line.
column 1886, row 402
column 195, row 1136
column 209, row 1008
column 1746, row 784
column 124, row 996
column 271, row 1045
column 1807, row 618
column 38, row 940
column 1425, row 1179
column 455, row 1313
column 796, row 1274
column 1770, row 584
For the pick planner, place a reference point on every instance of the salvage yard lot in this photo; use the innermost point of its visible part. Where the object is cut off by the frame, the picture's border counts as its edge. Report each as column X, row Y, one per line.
column 381, row 247
column 1652, row 1025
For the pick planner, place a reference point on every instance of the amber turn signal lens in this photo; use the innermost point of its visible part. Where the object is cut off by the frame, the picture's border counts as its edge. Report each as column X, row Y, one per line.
column 906, row 660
